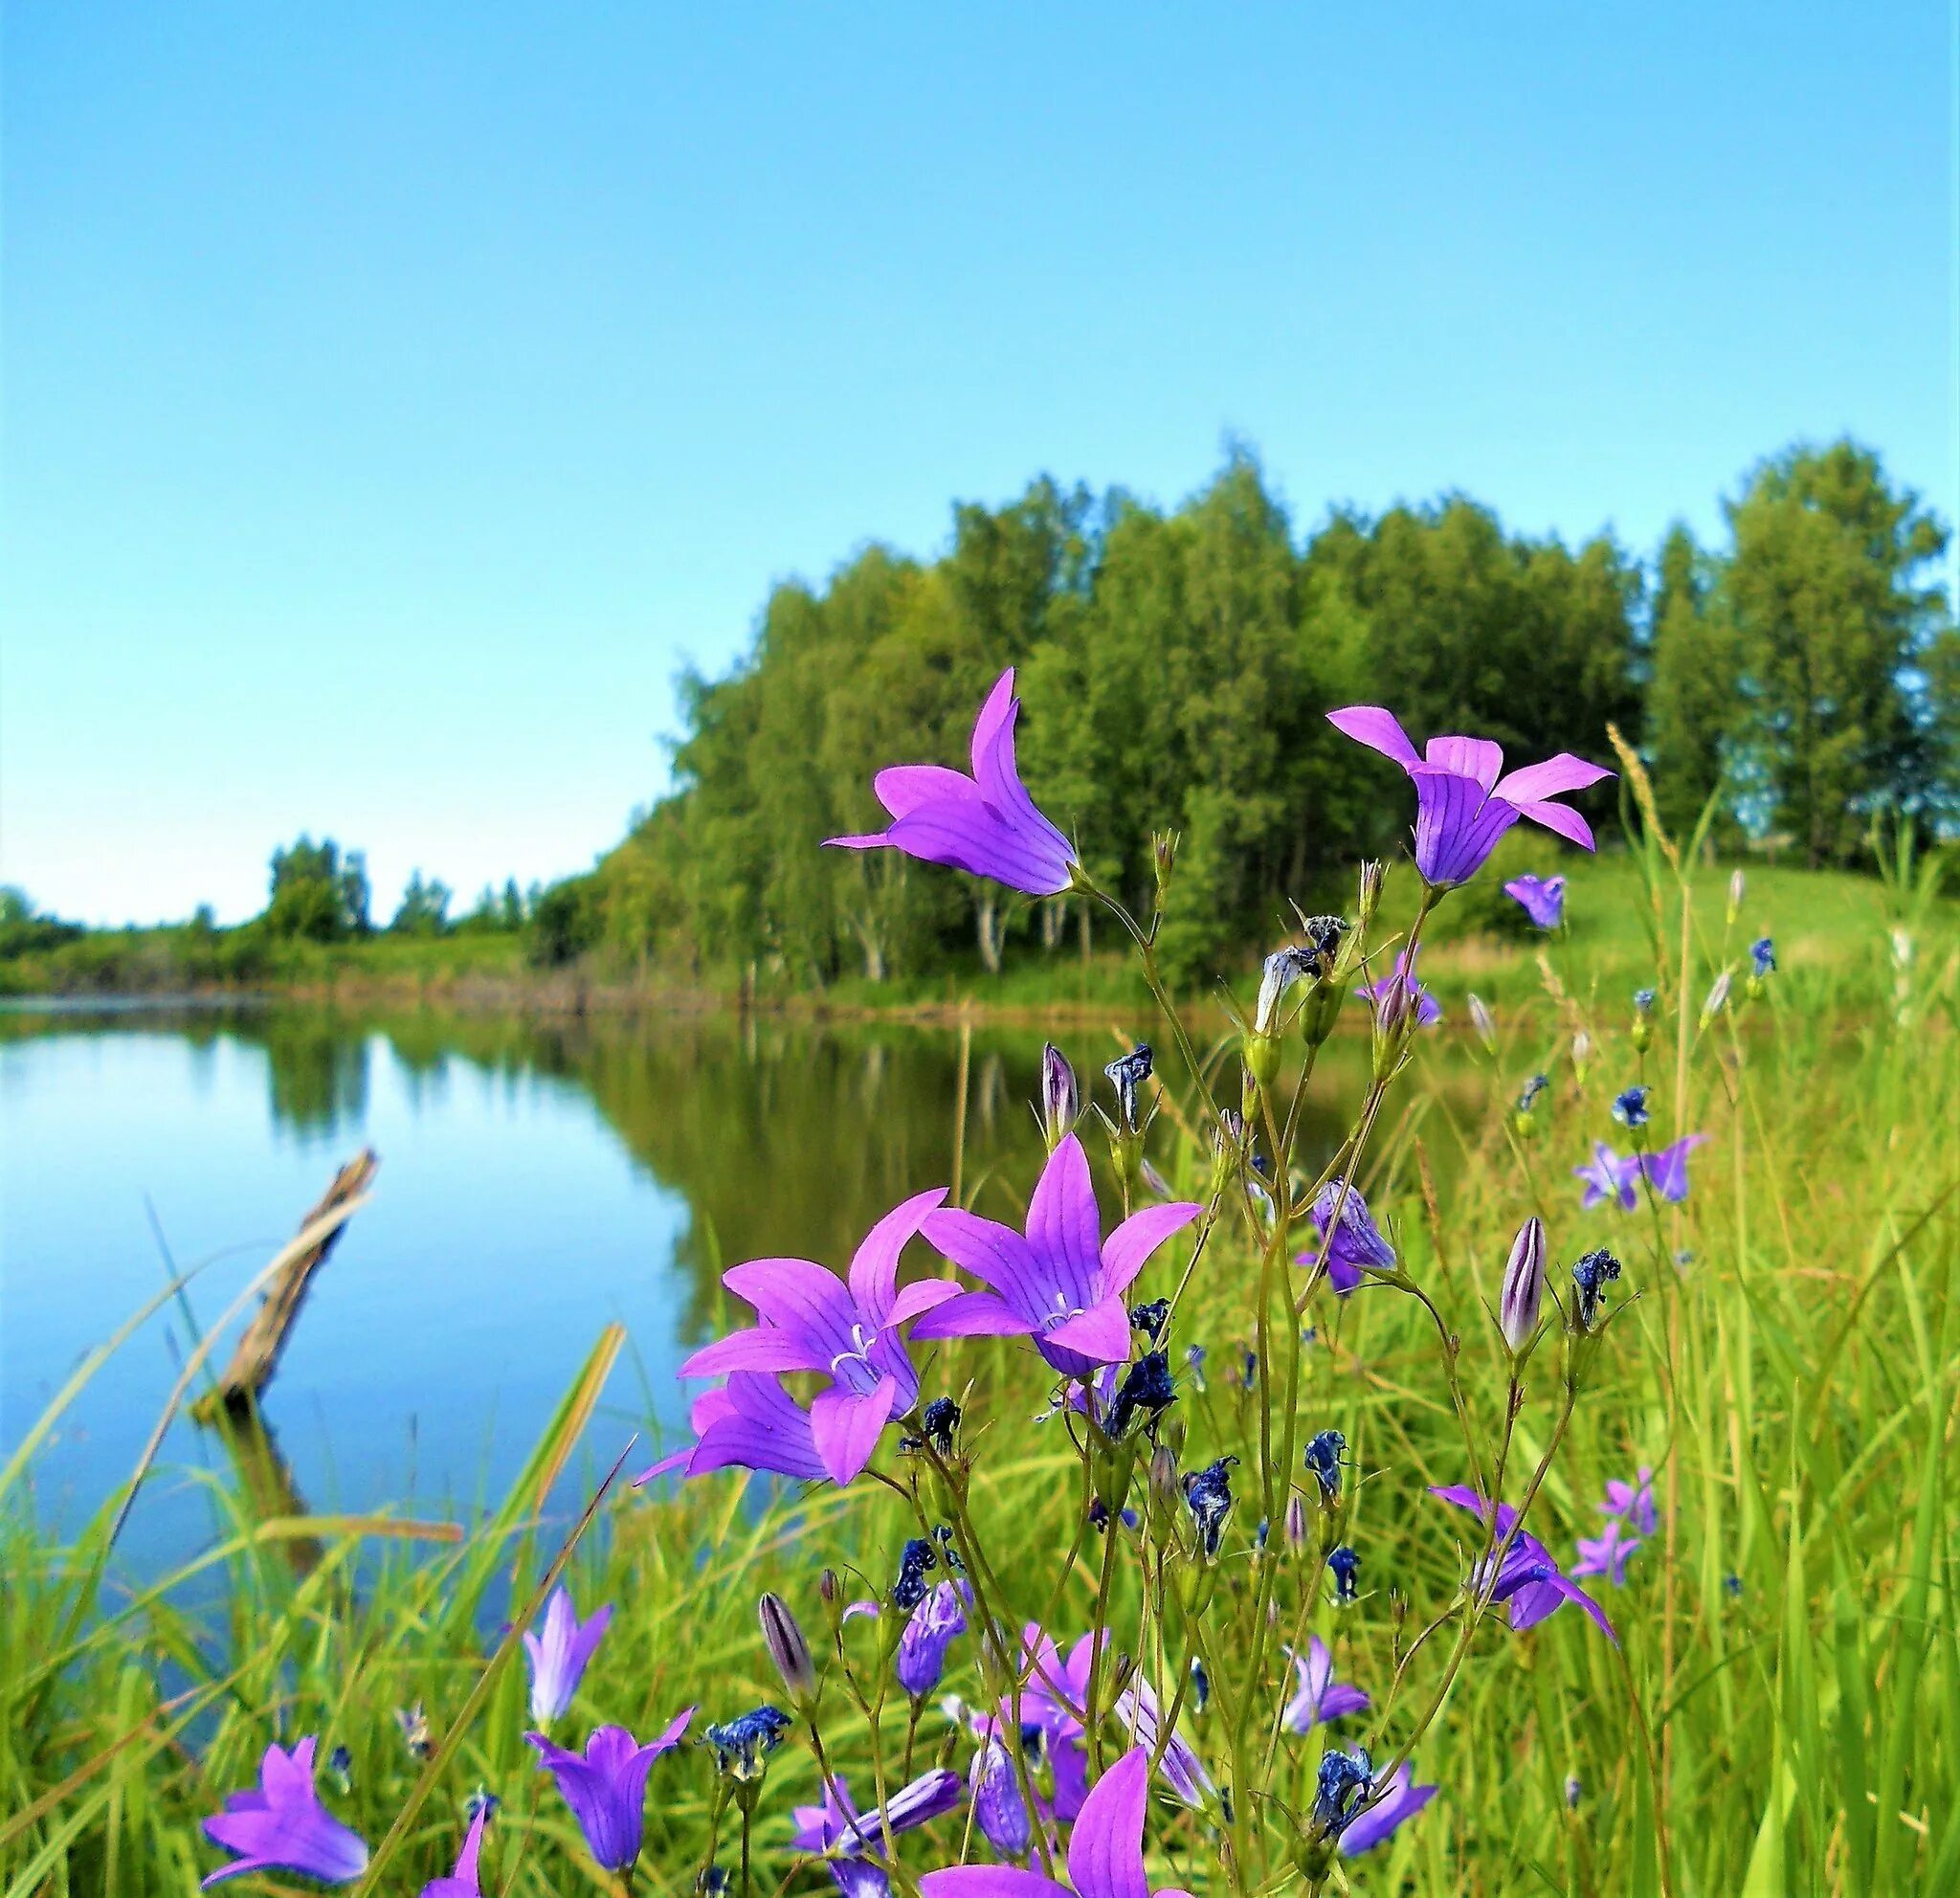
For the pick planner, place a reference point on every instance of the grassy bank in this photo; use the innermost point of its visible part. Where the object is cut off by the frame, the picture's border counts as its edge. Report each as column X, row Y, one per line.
column 1782, row 1714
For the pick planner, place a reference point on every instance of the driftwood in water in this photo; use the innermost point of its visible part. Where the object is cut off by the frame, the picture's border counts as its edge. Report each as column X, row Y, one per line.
column 257, row 1355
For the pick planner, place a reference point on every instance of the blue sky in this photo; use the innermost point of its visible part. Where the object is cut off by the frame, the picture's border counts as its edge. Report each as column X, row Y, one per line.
column 394, row 398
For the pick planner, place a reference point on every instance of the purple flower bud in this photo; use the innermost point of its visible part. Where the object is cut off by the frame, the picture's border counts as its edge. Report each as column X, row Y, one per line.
column 1060, row 1102
column 787, row 1648
column 1294, row 1522
column 921, row 1659
column 1373, row 872
column 1524, row 1285
column 1283, row 968
column 1737, row 885
column 999, row 1808
column 1718, row 998
column 1485, row 1022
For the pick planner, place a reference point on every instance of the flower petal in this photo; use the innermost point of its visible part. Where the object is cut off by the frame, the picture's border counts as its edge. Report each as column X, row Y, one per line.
column 754, row 1348
column 1101, row 1332
column 994, row 1254
column 1557, row 774
column 847, row 1427
column 1126, row 1249
column 1555, row 817
column 990, row 1881
column 1479, row 758
column 973, row 1315
column 1380, row 730
column 1063, row 1226
column 874, row 1265
column 1105, row 1851
column 806, row 1299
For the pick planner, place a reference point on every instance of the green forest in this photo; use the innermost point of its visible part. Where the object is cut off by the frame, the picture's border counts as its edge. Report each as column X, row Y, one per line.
column 1175, row 668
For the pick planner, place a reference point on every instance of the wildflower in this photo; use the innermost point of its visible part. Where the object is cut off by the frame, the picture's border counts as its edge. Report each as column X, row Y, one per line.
column 1056, row 1689
column 1293, row 1524
column 787, row 1648
column 1591, row 1276
column 1323, row 1454
column 1322, row 949
column 1339, row 1786
column 1483, row 1022
column 1717, row 999
column 1392, row 1806
column 752, row 1422
column 1736, row 887
column 1667, row 1170
column 837, row 1827
column 416, row 1734
column 1732, row 1586
column 1522, row 1292
column 462, row 1881
column 1056, row 1283
column 606, row 1786
column 915, row 1558
column 1145, row 1392
column 935, row 1623
column 1630, row 1107
column 1282, row 969
column 1544, row 900
column 1318, row 1696
column 1343, row 1564
column 1644, row 1020
column 1368, row 894
column 1462, row 806
column 986, row 824
column 1138, row 1709
column 560, row 1657
column 1527, row 1579
column 1105, row 1850
column 1395, row 995
column 1632, row 1502
column 1208, row 1495
column 284, row 1827
column 1356, row 1247
column 1609, row 1177
column 340, row 1763
column 743, row 1746
column 1152, row 1319
column 1060, row 1105
column 814, row 1321
column 1127, row 1073
column 1607, row 1553
column 1762, row 965
column 999, row 1809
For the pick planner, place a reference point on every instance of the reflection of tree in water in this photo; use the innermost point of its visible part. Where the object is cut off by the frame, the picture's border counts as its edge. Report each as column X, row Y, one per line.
column 317, row 1067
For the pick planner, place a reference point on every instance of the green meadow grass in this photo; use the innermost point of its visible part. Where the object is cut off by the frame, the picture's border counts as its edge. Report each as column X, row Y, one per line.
column 1783, row 1716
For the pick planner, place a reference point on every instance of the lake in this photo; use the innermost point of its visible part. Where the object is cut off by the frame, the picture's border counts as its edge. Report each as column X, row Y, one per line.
column 539, row 1178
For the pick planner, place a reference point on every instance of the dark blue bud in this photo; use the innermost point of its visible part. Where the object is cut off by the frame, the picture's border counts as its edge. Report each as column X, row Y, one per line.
column 1152, row 1319
column 914, row 1560
column 742, row 1745
column 1345, row 1566
column 1339, row 1786
column 1145, row 1394
column 1323, row 1462
column 1763, row 956
column 1591, row 1275
column 1629, row 1108
column 1208, row 1495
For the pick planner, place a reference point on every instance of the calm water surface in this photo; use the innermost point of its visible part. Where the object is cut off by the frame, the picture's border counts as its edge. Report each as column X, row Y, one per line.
column 537, row 1181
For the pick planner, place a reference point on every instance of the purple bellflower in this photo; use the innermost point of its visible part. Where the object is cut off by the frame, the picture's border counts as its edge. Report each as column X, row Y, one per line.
column 1357, row 1244
column 1610, row 1177
column 1632, row 1502
column 986, row 824
column 1401, row 988
column 1667, row 1167
column 1059, row 1284
column 606, row 1786
column 1320, row 1696
column 999, row 1810
column 1400, row 1801
column 837, row 1827
column 560, row 1656
column 933, row 1625
column 1607, row 1553
column 462, row 1881
column 284, row 1827
column 814, row 1321
column 1543, row 899
column 1138, row 1709
column 1462, row 805
column 752, row 1422
column 1529, row 1580
column 1055, row 1693
column 1105, row 1850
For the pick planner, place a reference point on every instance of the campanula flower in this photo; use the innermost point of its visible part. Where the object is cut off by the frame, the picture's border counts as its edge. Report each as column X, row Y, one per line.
column 1763, row 957
column 1667, row 1169
column 837, row 1827
column 1607, row 1553
column 606, row 1786
column 1105, row 1849
column 811, row 1320
column 1126, row 1074
column 284, row 1827
column 1319, row 1697
column 1343, row 1564
column 752, row 1422
column 1393, row 995
column 1529, row 1580
column 1208, row 1495
column 743, row 1746
column 935, row 1623
column 1339, row 1786
column 789, row 1648
column 1544, row 900
column 1138, row 1709
column 999, row 1810
column 1357, row 1244
column 1462, row 804
column 1632, row 1502
column 1610, row 1177
column 986, row 824
column 1146, row 1391
column 1281, row 969
column 1324, row 1453
column 463, row 1883
column 1061, row 1103
column 1058, row 1283
column 1528, row 1095
column 560, row 1656
column 1390, row 1806
column 1522, row 1294
column 1643, row 1002
column 1053, row 1701
column 1630, row 1107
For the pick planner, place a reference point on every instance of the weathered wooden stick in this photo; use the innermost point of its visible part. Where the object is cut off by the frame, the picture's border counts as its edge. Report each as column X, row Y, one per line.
column 257, row 1355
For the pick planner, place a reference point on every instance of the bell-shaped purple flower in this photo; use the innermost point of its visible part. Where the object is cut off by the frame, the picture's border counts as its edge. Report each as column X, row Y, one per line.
column 837, row 1827
column 1319, row 1697
column 849, row 1329
column 986, row 824
column 752, row 1422
column 1392, row 1805
column 1528, row 1581
column 463, row 1883
column 1607, row 1553
column 284, row 1827
column 1543, row 899
column 1184, row 1771
column 1059, row 1284
column 1105, row 1849
column 1398, row 992
column 560, row 1656
column 1667, row 1169
column 929, row 1631
column 999, row 1810
column 606, row 1786
column 1357, row 1244
column 1609, row 1177
column 1463, row 803
column 1632, row 1502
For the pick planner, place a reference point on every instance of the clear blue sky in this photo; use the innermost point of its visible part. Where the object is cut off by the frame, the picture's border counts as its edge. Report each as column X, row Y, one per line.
column 396, row 396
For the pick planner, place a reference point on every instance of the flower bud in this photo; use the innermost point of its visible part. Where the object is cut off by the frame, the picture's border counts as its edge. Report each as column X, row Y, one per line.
column 1060, row 1102
column 1163, row 860
column 1294, row 1524
column 1373, row 872
column 1737, row 884
column 1484, row 1023
column 1582, row 1053
column 1762, row 965
column 1718, row 997
column 999, row 1809
column 1523, row 1294
column 787, row 1648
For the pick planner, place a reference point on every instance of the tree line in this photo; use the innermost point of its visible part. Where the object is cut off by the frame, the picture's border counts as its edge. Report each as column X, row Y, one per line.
column 1175, row 668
